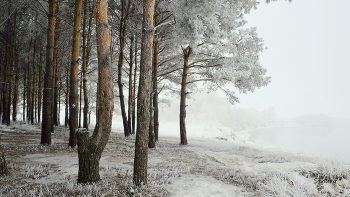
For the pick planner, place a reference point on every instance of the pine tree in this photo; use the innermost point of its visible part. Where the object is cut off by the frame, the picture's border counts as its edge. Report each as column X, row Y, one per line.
column 48, row 93
column 144, row 92
column 91, row 148
column 73, row 90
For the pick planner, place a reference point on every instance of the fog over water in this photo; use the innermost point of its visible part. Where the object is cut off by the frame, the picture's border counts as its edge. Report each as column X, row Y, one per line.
column 212, row 116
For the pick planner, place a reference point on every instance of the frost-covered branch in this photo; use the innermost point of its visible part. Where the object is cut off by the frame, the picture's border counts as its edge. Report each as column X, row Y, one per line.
column 169, row 72
column 194, row 81
column 205, row 66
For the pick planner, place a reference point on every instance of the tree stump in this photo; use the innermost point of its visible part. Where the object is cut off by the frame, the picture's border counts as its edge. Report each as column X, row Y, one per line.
column 88, row 158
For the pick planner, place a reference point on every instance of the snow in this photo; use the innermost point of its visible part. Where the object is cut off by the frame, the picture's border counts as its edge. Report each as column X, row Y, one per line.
column 205, row 186
column 217, row 162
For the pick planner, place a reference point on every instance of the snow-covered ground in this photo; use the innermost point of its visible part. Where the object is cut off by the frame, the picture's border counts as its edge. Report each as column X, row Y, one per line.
column 217, row 162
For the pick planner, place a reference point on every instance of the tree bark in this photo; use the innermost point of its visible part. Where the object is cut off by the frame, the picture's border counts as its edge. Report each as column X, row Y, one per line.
column 32, row 84
column 56, row 70
column 47, row 124
column 130, row 97
column 73, row 90
column 143, row 99
column 66, row 110
column 15, row 93
column 155, row 86
column 88, row 160
column 24, row 96
column 86, row 52
column 16, row 73
column 153, row 125
column 151, row 135
column 40, row 85
column 133, row 110
column 187, row 53
column 7, row 79
column 122, row 28
column 28, row 83
column 91, row 148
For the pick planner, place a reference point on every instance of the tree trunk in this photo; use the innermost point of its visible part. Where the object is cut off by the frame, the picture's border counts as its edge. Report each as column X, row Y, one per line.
column 66, row 110
column 90, row 149
column 86, row 57
column 32, row 84
column 155, row 86
column 133, row 111
column 28, row 83
column 2, row 77
column 187, row 53
column 130, row 97
column 55, row 70
column 73, row 91
column 16, row 80
column 24, row 96
column 47, row 124
column 40, row 94
column 3, row 164
column 88, row 160
column 80, row 98
column 7, row 79
column 144, row 92
column 122, row 28
column 15, row 95
column 153, row 134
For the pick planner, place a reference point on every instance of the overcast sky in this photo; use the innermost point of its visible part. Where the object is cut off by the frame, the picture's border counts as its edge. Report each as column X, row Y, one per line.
column 308, row 57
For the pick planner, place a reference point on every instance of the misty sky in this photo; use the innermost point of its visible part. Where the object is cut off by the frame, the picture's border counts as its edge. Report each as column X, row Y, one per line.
column 308, row 57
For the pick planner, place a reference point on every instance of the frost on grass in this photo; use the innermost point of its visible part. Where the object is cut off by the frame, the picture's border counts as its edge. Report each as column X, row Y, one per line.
column 204, row 167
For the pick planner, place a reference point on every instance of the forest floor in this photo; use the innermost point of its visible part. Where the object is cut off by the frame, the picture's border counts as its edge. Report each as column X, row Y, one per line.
column 205, row 167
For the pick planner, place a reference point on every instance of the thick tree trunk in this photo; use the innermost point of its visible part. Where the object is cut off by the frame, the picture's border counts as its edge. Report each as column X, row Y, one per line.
column 88, row 160
column 47, row 124
column 73, row 91
column 187, row 53
column 3, row 164
column 90, row 149
column 144, row 92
